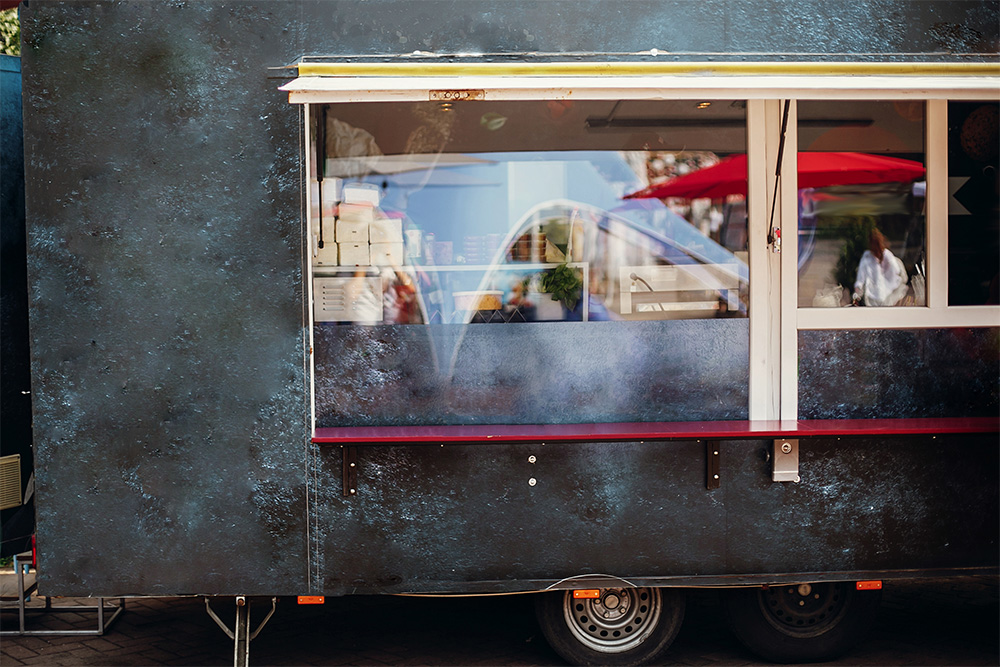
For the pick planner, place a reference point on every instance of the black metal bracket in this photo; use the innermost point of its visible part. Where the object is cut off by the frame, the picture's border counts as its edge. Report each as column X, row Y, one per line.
column 712, row 456
column 350, row 469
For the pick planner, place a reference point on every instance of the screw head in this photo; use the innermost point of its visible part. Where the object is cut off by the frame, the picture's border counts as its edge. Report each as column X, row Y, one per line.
column 532, row 481
column 786, row 447
column 532, row 459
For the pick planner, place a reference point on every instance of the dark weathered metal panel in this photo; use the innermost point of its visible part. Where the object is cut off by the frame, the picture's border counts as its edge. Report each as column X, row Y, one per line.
column 866, row 504
column 166, row 299
column 551, row 372
column 426, row 518
column 167, row 311
column 889, row 373
column 725, row 29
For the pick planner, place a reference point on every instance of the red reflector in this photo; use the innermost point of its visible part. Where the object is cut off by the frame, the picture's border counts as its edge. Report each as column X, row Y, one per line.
column 869, row 585
column 592, row 593
column 311, row 599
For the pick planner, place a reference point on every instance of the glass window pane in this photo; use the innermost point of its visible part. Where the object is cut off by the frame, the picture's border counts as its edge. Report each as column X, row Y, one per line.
column 974, row 203
column 861, row 204
column 544, row 220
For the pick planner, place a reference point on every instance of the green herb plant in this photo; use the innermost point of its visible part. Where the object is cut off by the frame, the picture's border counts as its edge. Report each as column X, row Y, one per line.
column 564, row 284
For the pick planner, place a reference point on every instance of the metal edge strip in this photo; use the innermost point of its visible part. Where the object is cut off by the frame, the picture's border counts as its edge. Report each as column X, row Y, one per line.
column 372, row 69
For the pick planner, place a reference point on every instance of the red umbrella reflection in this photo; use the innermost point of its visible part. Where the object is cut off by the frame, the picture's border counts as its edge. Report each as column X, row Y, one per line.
column 816, row 170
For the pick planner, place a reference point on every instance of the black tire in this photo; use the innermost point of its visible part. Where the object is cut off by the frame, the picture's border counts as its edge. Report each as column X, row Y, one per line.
column 624, row 626
column 801, row 622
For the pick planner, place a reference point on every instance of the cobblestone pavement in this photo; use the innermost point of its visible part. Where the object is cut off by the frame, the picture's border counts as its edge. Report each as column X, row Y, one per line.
column 931, row 622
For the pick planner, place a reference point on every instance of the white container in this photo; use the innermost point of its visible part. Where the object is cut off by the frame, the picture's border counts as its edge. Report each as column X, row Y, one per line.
column 349, row 231
column 386, row 230
column 414, row 244
column 356, row 212
column 387, row 254
column 327, row 255
column 354, row 254
column 357, row 193
column 329, row 230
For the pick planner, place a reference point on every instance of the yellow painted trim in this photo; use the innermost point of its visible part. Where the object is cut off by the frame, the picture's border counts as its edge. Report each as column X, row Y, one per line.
column 424, row 69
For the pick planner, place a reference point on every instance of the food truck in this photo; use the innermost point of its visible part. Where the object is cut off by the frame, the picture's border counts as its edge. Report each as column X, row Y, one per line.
column 593, row 301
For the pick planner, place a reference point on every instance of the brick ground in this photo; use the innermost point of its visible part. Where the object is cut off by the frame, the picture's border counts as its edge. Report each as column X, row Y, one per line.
column 939, row 622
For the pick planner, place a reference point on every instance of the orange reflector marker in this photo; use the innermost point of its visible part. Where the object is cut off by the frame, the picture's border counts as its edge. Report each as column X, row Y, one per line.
column 311, row 599
column 592, row 594
column 869, row 585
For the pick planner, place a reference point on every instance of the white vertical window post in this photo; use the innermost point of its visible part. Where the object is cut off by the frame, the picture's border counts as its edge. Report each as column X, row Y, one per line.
column 936, row 218
column 763, row 139
column 788, row 198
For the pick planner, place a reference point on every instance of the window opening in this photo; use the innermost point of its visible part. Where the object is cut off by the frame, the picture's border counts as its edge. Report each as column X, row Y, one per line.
column 542, row 219
column 862, row 186
column 973, row 204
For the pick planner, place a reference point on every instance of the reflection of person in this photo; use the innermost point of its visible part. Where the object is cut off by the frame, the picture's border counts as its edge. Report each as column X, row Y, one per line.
column 881, row 277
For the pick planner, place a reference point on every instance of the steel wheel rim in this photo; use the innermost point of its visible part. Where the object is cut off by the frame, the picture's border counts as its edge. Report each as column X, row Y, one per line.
column 601, row 625
column 804, row 610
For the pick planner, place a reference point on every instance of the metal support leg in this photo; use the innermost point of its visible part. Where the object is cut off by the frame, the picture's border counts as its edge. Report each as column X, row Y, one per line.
column 241, row 634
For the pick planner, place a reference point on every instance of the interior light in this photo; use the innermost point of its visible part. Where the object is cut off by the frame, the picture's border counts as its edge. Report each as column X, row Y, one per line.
column 704, row 105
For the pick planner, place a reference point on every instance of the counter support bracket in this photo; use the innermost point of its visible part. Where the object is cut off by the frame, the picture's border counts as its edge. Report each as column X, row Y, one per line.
column 350, row 469
column 713, row 452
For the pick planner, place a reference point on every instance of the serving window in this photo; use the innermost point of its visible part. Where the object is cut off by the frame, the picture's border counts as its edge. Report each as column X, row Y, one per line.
column 512, row 262
column 572, row 244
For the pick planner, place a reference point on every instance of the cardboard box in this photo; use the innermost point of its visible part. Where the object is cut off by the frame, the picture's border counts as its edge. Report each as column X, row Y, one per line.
column 386, row 230
column 356, row 193
column 329, row 230
column 354, row 254
column 327, row 255
column 387, row 254
column 356, row 212
column 352, row 232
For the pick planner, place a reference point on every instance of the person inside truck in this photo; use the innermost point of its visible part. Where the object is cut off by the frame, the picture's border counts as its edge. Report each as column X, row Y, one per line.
column 881, row 277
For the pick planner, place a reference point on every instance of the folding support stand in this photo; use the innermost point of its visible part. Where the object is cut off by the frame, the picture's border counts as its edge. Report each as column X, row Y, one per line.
column 22, row 563
column 241, row 634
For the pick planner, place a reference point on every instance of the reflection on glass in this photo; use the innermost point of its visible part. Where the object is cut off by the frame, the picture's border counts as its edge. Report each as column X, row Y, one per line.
column 974, row 203
column 861, row 199
column 608, row 302
column 520, row 212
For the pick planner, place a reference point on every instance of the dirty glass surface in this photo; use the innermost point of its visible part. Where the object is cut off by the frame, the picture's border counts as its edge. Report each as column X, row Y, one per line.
column 974, row 204
column 861, row 200
column 514, row 262
column 867, row 374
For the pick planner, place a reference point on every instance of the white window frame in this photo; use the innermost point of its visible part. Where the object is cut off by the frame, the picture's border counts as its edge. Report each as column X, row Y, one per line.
column 774, row 323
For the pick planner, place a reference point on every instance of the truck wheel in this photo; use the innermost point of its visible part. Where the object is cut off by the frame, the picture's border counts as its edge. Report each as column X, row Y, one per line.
column 801, row 622
column 622, row 626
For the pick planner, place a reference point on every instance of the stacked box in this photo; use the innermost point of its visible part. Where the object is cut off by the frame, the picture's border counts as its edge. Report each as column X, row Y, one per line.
column 387, row 254
column 327, row 255
column 386, row 230
column 354, row 254
column 362, row 193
